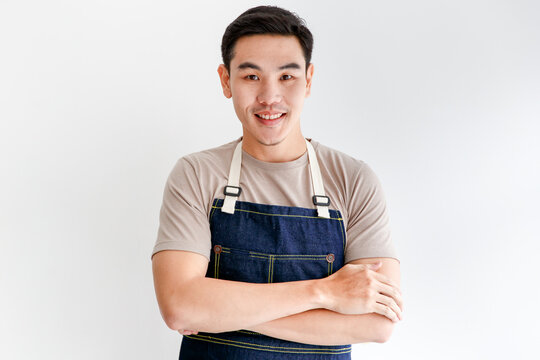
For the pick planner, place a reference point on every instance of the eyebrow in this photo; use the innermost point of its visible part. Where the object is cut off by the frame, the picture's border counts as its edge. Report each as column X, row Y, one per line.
column 249, row 65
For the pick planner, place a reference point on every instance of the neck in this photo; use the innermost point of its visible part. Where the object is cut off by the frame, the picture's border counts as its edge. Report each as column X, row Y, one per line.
column 289, row 149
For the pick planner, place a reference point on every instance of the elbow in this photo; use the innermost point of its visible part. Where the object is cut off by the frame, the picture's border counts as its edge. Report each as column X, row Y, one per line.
column 172, row 319
column 384, row 329
column 177, row 310
column 372, row 328
column 176, row 319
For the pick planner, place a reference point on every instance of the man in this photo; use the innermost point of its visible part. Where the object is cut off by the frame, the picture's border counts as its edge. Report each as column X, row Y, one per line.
column 273, row 246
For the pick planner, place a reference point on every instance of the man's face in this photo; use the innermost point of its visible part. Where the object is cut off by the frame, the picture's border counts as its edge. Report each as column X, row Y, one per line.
column 268, row 84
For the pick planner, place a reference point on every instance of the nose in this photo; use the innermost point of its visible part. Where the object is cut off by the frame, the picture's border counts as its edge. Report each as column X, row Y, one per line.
column 269, row 93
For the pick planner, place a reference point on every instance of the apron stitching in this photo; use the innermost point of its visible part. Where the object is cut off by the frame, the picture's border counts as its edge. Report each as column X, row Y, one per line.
column 272, row 259
column 213, row 208
column 342, row 235
column 280, row 255
column 285, row 215
column 215, row 265
column 276, row 257
column 249, row 332
column 313, row 258
column 269, row 266
column 262, row 347
column 328, row 269
column 218, row 257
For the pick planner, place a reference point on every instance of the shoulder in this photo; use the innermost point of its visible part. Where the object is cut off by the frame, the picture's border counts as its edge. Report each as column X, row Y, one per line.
column 350, row 182
column 197, row 178
column 206, row 162
column 342, row 165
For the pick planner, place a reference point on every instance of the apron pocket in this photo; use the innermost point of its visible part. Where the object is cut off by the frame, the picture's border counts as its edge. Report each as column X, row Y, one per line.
column 256, row 267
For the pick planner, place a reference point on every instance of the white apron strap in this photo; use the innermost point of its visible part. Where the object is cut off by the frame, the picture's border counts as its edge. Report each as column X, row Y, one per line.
column 319, row 199
column 233, row 190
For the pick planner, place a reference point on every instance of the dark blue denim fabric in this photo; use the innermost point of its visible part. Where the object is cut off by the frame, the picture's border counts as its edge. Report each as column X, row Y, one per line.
column 264, row 244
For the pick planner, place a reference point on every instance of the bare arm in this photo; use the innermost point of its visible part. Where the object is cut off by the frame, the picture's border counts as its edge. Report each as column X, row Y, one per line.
column 190, row 301
column 325, row 327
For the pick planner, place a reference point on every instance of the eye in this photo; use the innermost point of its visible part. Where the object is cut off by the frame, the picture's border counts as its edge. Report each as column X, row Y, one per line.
column 252, row 77
column 286, row 77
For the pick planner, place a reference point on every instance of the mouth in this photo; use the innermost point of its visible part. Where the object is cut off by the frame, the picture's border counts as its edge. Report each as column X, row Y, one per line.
column 270, row 120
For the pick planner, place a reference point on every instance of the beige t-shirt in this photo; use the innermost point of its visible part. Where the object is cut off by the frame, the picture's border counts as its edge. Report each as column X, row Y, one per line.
column 197, row 179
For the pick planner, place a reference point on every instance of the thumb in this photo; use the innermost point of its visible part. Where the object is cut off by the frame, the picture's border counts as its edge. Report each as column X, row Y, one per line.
column 375, row 266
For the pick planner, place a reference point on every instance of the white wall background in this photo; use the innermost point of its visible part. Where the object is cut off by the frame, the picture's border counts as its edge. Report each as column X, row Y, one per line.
column 99, row 98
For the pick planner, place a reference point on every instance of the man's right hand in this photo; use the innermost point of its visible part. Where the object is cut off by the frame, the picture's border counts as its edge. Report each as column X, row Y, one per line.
column 360, row 289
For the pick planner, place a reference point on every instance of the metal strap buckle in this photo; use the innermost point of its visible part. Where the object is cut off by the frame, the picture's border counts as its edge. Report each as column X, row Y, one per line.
column 232, row 190
column 321, row 200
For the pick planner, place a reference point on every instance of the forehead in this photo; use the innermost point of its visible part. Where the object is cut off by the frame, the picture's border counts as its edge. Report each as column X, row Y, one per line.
column 268, row 50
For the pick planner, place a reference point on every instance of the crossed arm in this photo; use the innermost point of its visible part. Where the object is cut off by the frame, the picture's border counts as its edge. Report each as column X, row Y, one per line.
column 356, row 304
column 326, row 327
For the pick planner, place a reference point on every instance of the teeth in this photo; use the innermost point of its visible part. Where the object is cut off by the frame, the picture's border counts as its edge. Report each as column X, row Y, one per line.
column 269, row 117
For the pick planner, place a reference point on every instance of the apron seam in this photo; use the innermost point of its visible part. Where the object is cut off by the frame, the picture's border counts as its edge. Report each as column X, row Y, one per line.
column 285, row 215
column 269, row 347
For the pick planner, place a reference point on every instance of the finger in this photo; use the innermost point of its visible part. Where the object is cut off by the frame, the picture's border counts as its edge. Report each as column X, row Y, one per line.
column 385, row 279
column 392, row 292
column 385, row 311
column 389, row 303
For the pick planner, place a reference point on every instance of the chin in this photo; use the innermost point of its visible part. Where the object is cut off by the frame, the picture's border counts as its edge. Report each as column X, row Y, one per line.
column 271, row 138
column 270, row 142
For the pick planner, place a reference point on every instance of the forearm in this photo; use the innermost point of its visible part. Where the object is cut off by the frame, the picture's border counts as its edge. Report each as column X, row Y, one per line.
column 190, row 301
column 214, row 305
column 325, row 327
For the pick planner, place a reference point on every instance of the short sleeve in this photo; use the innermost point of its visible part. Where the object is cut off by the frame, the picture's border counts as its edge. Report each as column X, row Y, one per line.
column 368, row 228
column 183, row 221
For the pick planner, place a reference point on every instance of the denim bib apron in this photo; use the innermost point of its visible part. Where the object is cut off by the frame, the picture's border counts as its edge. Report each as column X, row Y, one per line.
column 260, row 243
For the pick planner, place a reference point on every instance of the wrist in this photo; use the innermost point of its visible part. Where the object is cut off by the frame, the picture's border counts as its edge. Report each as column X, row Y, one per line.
column 321, row 294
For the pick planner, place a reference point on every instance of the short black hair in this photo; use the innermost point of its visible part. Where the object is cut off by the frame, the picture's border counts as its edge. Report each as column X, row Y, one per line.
column 266, row 20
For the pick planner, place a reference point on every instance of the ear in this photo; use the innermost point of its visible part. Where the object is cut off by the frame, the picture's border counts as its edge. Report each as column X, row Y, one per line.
column 225, row 81
column 309, row 77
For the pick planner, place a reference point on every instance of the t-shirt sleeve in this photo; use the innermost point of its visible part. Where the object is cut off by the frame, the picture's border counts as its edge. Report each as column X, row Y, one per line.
column 368, row 228
column 183, row 219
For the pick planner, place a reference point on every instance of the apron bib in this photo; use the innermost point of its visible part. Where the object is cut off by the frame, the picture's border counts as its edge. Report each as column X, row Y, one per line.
column 261, row 243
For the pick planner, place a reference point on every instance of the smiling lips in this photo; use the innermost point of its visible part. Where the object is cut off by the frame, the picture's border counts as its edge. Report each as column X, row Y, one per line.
column 270, row 119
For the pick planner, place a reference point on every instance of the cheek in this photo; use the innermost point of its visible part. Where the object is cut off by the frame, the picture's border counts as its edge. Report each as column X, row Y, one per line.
column 242, row 96
column 296, row 94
